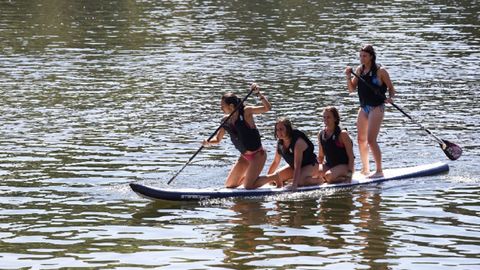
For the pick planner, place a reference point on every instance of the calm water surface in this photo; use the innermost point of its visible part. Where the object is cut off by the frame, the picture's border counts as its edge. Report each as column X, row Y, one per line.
column 98, row 94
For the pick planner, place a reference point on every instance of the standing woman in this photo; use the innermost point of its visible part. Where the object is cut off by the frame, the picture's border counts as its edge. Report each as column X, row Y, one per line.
column 245, row 137
column 298, row 151
column 335, row 149
column 372, row 106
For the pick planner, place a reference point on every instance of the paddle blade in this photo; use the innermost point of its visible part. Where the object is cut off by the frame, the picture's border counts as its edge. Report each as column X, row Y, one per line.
column 452, row 150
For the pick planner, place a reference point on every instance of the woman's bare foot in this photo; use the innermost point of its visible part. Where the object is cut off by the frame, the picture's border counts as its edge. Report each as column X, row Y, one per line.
column 317, row 180
column 322, row 180
column 343, row 179
column 376, row 175
column 278, row 181
column 365, row 172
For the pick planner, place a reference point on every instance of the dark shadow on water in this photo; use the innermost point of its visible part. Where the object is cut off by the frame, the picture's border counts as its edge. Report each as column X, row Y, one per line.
column 153, row 209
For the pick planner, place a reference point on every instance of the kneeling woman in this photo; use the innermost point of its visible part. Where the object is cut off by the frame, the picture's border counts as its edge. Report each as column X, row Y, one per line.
column 298, row 151
column 245, row 137
column 336, row 147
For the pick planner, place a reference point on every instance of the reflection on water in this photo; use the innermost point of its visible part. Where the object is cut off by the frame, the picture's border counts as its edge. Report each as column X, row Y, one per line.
column 374, row 232
column 98, row 94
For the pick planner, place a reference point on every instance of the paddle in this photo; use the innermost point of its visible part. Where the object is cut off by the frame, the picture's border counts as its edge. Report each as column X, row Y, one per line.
column 211, row 136
column 451, row 150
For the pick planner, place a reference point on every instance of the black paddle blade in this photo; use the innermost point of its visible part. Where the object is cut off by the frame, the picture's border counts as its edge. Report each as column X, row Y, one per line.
column 452, row 150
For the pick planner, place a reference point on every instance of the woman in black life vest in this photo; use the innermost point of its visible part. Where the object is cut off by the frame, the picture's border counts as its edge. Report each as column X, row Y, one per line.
column 335, row 149
column 372, row 106
column 298, row 151
column 246, row 138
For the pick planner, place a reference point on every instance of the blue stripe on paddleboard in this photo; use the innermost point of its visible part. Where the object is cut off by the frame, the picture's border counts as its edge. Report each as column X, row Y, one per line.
column 190, row 194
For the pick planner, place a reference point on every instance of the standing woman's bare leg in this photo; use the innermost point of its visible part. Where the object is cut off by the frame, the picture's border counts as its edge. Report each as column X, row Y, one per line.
column 362, row 129
column 375, row 119
column 234, row 178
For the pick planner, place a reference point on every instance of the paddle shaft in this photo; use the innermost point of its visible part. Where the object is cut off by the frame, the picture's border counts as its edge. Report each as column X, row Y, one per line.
column 211, row 136
column 438, row 140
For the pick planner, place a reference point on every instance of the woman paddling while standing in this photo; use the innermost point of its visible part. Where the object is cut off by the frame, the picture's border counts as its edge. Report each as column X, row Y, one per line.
column 372, row 106
column 246, row 138
column 335, row 149
column 298, row 151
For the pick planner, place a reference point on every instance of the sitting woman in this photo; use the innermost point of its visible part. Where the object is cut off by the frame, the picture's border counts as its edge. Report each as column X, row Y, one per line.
column 336, row 147
column 298, row 151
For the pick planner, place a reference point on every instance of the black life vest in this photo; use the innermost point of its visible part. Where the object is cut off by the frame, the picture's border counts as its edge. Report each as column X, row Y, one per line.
column 243, row 137
column 366, row 94
column 309, row 157
column 333, row 149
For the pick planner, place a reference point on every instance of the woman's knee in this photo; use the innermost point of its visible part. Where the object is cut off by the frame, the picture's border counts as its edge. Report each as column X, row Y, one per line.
column 362, row 140
column 231, row 185
column 249, row 183
column 233, row 182
column 372, row 140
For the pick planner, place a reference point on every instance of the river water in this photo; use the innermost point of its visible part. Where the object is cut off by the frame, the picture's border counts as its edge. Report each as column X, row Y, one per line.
column 98, row 94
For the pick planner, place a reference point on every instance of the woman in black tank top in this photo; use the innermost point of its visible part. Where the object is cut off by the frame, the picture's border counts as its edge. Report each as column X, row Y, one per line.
column 246, row 139
column 335, row 149
column 298, row 151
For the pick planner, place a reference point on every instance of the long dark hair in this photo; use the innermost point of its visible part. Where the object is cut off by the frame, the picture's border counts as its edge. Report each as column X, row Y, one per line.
column 335, row 113
column 337, row 130
column 288, row 125
column 231, row 98
column 368, row 48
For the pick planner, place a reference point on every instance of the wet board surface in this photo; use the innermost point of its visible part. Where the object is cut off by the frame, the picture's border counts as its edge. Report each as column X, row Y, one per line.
column 195, row 194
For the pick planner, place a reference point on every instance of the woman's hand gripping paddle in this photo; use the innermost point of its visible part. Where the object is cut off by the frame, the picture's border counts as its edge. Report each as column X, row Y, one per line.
column 451, row 150
column 211, row 136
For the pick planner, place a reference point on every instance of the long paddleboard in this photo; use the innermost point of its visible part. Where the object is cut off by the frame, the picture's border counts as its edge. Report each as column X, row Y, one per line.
column 193, row 194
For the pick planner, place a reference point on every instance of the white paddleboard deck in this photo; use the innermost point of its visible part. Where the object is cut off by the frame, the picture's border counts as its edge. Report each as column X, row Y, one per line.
column 195, row 194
